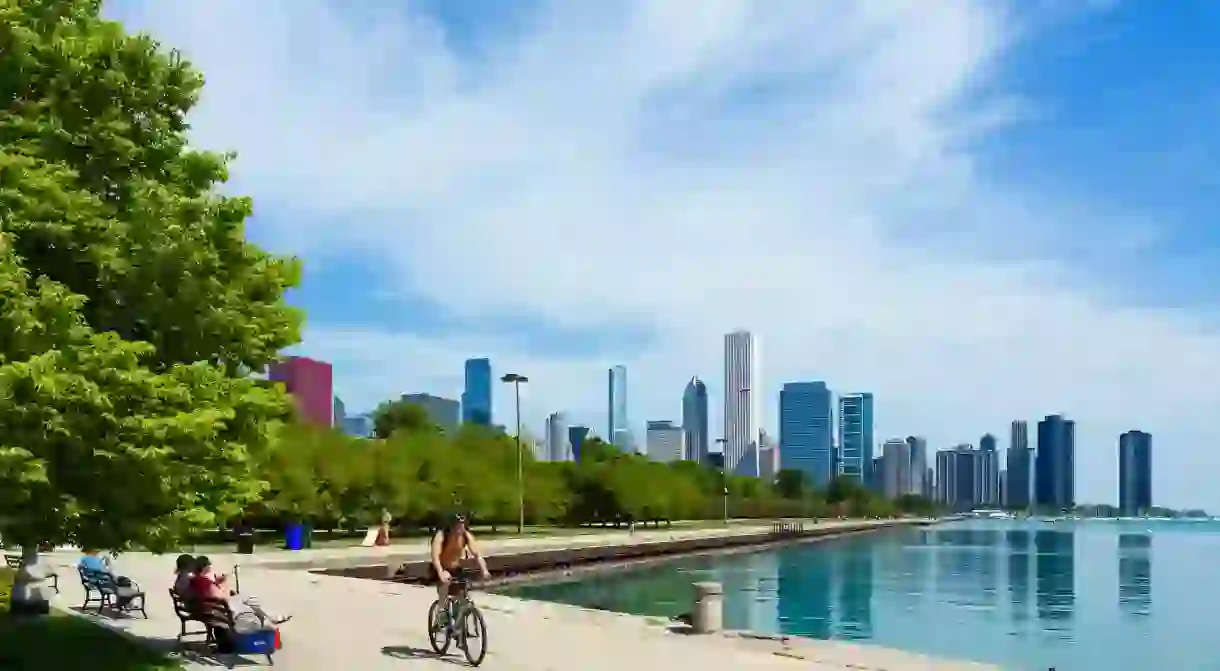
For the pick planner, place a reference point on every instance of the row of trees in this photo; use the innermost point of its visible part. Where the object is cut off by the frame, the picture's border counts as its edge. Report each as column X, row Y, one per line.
column 418, row 472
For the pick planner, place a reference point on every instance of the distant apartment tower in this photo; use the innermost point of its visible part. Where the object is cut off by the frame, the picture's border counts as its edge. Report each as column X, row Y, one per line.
column 987, row 472
column 360, row 426
column 1018, row 484
column 895, row 474
column 476, row 398
column 557, row 446
column 768, row 457
column 1055, row 464
column 665, row 441
column 339, row 412
column 806, row 435
column 856, row 436
column 742, row 409
column 443, row 412
column 618, row 430
column 694, row 420
column 311, row 384
column 576, row 439
column 919, row 465
column 955, row 473
column 1134, row 473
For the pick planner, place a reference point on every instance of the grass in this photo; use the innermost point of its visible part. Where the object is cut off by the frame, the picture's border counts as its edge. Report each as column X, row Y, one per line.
column 60, row 641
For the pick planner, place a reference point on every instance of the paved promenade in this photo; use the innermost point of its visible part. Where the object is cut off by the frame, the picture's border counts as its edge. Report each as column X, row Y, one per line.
column 342, row 623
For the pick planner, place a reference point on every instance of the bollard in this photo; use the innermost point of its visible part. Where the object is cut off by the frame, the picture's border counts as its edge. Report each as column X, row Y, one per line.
column 707, row 617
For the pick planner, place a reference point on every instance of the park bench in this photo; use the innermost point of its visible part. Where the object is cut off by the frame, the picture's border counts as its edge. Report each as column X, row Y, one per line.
column 221, row 623
column 185, row 611
column 14, row 562
column 106, row 590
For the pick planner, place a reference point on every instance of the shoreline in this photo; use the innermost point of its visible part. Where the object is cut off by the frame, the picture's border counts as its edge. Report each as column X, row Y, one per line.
column 509, row 565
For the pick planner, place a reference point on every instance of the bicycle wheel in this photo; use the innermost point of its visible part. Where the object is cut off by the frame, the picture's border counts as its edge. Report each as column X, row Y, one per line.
column 438, row 629
column 473, row 633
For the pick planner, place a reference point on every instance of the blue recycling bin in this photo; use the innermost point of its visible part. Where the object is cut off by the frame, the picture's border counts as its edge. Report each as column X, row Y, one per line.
column 294, row 536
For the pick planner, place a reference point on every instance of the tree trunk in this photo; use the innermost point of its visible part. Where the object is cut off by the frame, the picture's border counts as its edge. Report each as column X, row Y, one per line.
column 31, row 591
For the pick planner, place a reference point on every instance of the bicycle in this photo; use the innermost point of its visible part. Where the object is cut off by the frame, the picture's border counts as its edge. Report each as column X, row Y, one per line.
column 470, row 624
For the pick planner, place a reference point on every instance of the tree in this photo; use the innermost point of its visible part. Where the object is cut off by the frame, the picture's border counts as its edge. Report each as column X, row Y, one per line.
column 131, row 305
column 398, row 415
column 792, row 483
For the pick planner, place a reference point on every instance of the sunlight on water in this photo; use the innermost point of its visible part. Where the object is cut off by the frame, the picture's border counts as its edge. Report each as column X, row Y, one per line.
column 1023, row 594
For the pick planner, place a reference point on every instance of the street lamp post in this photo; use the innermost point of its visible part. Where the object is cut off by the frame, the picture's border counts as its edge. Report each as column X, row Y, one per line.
column 724, row 478
column 516, row 380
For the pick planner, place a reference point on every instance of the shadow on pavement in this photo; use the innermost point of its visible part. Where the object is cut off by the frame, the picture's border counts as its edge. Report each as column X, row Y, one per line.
column 409, row 652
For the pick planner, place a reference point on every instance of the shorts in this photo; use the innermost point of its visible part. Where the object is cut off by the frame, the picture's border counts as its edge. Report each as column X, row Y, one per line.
column 457, row 573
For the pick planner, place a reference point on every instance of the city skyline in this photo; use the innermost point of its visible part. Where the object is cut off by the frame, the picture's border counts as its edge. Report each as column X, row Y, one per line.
column 960, row 203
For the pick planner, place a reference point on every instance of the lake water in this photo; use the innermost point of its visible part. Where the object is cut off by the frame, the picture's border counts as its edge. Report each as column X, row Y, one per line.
column 1094, row 594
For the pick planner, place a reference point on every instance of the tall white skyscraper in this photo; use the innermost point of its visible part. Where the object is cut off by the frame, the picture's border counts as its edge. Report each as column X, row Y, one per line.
column 558, row 448
column 742, row 406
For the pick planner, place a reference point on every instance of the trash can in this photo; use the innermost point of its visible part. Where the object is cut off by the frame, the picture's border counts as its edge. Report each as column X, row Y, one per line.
column 245, row 542
column 306, row 536
column 294, row 536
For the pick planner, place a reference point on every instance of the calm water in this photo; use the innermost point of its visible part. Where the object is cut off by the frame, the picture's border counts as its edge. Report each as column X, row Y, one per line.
column 1025, row 595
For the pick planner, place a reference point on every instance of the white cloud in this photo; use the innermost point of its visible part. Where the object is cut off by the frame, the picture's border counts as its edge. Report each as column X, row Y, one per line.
column 801, row 169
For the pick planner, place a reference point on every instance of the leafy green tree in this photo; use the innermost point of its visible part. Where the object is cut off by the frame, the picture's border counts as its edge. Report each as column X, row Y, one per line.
column 133, row 307
column 393, row 416
column 792, row 483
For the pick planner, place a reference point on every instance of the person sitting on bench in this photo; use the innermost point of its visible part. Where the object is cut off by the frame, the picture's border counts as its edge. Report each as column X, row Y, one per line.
column 95, row 562
column 208, row 584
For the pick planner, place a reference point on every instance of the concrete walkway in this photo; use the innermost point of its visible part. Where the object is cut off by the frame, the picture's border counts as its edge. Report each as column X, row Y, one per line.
column 346, row 623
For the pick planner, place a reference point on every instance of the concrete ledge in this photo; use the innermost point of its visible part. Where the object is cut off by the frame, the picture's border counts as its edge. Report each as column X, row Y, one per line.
column 512, row 565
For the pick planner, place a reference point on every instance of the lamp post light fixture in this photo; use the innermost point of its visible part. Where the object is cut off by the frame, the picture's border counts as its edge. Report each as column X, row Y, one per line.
column 516, row 380
column 724, row 477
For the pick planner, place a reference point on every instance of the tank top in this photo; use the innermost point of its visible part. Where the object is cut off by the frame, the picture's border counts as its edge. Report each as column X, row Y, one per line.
column 453, row 550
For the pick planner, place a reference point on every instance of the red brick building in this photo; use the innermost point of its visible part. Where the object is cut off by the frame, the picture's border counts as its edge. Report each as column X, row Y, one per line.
column 311, row 383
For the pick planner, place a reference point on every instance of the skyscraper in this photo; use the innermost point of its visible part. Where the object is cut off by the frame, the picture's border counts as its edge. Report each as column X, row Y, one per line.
column 618, row 432
column 919, row 465
column 694, row 420
column 576, row 438
column 476, row 399
column 339, row 413
column 1055, row 463
column 987, row 472
column 742, row 415
column 805, row 433
column 665, row 441
column 895, row 476
column 1134, row 473
column 1019, row 483
column 856, row 436
column 557, row 447
column 311, row 384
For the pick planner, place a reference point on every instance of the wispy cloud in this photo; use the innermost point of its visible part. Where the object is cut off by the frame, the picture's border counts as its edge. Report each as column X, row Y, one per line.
column 808, row 170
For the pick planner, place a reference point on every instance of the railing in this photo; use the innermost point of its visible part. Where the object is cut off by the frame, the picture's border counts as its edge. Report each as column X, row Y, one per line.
column 787, row 528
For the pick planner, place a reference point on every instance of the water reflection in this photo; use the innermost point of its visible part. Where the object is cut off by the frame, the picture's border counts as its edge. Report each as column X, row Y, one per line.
column 1020, row 558
column 1055, row 573
column 805, row 589
column 856, row 594
column 1135, row 573
column 967, row 566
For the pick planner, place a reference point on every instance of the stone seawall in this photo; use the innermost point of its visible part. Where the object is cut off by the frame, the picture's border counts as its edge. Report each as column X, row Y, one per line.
column 515, row 564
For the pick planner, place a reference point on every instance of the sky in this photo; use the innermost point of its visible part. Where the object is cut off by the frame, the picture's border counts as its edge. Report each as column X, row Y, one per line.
column 978, row 211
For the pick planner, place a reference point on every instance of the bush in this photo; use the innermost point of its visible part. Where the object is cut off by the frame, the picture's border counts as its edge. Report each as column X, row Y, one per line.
column 6, row 587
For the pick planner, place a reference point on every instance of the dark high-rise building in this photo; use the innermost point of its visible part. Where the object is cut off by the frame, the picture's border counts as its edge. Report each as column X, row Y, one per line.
column 694, row 420
column 1134, row 473
column 1019, row 483
column 576, row 438
column 955, row 477
column 856, row 437
column 1055, row 464
column 476, row 399
column 311, row 384
column 987, row 472
column 805, row 431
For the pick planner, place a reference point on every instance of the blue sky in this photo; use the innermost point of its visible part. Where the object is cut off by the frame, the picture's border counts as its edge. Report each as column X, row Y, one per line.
column 979, row 211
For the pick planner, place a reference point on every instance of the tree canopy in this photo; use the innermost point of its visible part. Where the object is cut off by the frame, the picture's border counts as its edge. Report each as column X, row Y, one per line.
column 132, row 308
column 420, row 474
